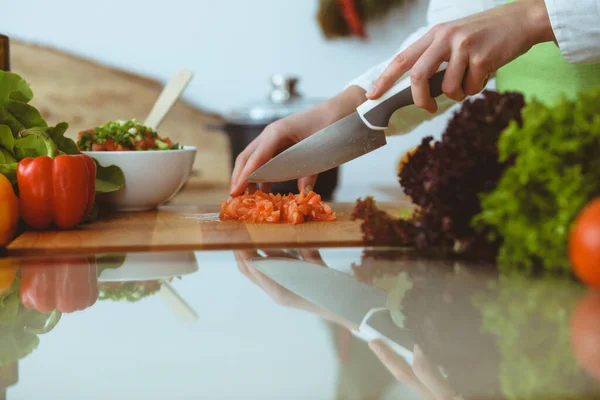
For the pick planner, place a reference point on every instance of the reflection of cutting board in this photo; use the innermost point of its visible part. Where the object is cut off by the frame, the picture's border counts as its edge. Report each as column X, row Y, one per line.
column 190, row 228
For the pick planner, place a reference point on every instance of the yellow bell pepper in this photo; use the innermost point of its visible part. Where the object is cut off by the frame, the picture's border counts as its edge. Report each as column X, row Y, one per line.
column 9, row 211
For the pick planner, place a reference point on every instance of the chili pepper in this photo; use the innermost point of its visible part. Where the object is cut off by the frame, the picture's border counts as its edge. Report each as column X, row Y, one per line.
column 9, row 211
column 57, row 190
column 60, row 285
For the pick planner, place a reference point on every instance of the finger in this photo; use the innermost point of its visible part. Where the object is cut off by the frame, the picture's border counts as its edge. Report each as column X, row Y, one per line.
column 400, row 65
column 268, row 149
column 265, row 187
column 307, row 184
column 431, row 377
column 476, row 77
column 399, row 368
column 251, row 188
column 312, row 256
column 452, row 85
column 241, row 257
column 277, row 254
column 422, row 71
column 242, row 158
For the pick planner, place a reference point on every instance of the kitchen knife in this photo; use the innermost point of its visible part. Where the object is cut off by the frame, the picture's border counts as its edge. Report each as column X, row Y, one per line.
column 342, row 295
column 351, row 137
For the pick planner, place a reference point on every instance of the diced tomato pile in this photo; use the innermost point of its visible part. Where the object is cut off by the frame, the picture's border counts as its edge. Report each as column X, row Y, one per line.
column 261, row 207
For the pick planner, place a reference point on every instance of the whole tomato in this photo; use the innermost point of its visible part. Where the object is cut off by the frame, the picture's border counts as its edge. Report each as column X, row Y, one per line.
column 584, row 244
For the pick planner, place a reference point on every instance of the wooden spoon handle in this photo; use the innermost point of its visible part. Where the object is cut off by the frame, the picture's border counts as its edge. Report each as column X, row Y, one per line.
column 168, row 97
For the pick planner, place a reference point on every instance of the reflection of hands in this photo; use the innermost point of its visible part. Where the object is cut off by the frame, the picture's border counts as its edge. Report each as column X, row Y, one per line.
column 423, row 378
column 284, row 297
column 276, row 292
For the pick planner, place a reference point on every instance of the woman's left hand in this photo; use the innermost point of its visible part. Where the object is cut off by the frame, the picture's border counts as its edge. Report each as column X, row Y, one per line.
column 474, row 47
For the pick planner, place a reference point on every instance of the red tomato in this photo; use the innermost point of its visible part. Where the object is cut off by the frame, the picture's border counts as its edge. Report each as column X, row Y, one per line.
column 585, row 333
column 98, row 147
column 110, row 145
column 168, row 141
column 121, row 148
column 584, row 244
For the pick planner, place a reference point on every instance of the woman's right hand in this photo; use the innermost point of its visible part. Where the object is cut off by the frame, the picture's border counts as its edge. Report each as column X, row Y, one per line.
column 288, row 131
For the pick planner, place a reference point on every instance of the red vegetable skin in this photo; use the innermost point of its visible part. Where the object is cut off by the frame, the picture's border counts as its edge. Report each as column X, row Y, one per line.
column 352, row 17
column 60, row 190
column 585, row 333
column 584, row 244
column 66, row 285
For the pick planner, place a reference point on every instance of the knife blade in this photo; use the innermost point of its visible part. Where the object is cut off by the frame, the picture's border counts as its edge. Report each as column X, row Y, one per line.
column 345, row 140
column 341, row 295
column 327, row 288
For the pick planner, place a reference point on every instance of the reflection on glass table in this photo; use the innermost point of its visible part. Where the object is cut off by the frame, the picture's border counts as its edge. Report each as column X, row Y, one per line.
column 36, row 291
column 472, row 333
column 444, row 328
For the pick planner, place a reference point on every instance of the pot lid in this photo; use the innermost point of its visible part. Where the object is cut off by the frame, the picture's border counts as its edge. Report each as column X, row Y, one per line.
column 282, row 101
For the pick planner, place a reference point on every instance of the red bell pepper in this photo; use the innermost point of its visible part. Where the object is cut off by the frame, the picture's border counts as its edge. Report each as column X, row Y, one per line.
column 57, row 190
column 59, row 285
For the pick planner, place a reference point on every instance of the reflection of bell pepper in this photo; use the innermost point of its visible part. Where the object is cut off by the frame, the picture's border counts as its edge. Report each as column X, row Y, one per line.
column 9, row 211
column 66, row 285
column 59, row 190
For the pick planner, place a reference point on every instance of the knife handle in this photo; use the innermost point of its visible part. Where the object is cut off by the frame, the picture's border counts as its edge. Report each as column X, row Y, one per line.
column 369, row 333
column 376, row 114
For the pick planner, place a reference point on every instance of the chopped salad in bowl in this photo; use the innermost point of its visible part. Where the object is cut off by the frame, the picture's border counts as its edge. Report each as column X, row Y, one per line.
column 137, row 149
column 123, row 136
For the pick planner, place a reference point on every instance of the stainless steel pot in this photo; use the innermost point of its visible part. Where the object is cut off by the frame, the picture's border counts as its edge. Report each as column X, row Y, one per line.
column 245, row 123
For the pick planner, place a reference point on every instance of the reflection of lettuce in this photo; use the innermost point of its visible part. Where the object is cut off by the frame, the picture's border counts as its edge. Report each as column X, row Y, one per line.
column 530, row 320
column 129, row 291
column 15, row 343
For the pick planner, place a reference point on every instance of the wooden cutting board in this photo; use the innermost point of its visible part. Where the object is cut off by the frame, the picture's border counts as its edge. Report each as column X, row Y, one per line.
column 191, row 228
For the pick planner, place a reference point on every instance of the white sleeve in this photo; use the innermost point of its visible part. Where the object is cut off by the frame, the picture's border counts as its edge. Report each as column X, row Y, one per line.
column 367, row 79
column 408, row 118
column 438, row 11
column 576, row 25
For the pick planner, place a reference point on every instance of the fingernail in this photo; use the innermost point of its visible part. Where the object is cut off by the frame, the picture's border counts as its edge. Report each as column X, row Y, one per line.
column 372, row 91
column 308, row 189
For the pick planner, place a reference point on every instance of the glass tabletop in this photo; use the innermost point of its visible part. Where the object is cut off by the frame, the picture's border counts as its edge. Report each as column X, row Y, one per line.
column 291, row 324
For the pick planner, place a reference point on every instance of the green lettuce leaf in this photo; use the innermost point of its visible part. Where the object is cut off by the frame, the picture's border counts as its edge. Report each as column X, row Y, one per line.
column 64, row 144
column 7, row 141
column 10, row 171
column 15, row 93
column 108, row 179
column 30, row 146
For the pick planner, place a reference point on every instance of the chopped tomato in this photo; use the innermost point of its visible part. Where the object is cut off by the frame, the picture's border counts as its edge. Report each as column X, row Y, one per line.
column 110, row 145
column 98, row 147
column 263, row 207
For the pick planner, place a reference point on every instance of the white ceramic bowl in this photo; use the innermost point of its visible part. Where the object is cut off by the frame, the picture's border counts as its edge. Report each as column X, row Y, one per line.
column 151, row 177
column 152, row 266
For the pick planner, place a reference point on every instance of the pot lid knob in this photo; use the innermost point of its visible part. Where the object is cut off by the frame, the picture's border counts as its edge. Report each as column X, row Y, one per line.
column 284, row 88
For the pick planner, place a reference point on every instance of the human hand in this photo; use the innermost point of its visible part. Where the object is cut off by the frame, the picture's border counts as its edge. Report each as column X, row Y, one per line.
column 474, row 47
column 278, row 293
column 288, row 131
column 423, row 378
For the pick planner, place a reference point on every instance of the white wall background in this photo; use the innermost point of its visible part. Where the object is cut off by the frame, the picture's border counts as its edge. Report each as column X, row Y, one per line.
column 232, row 45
